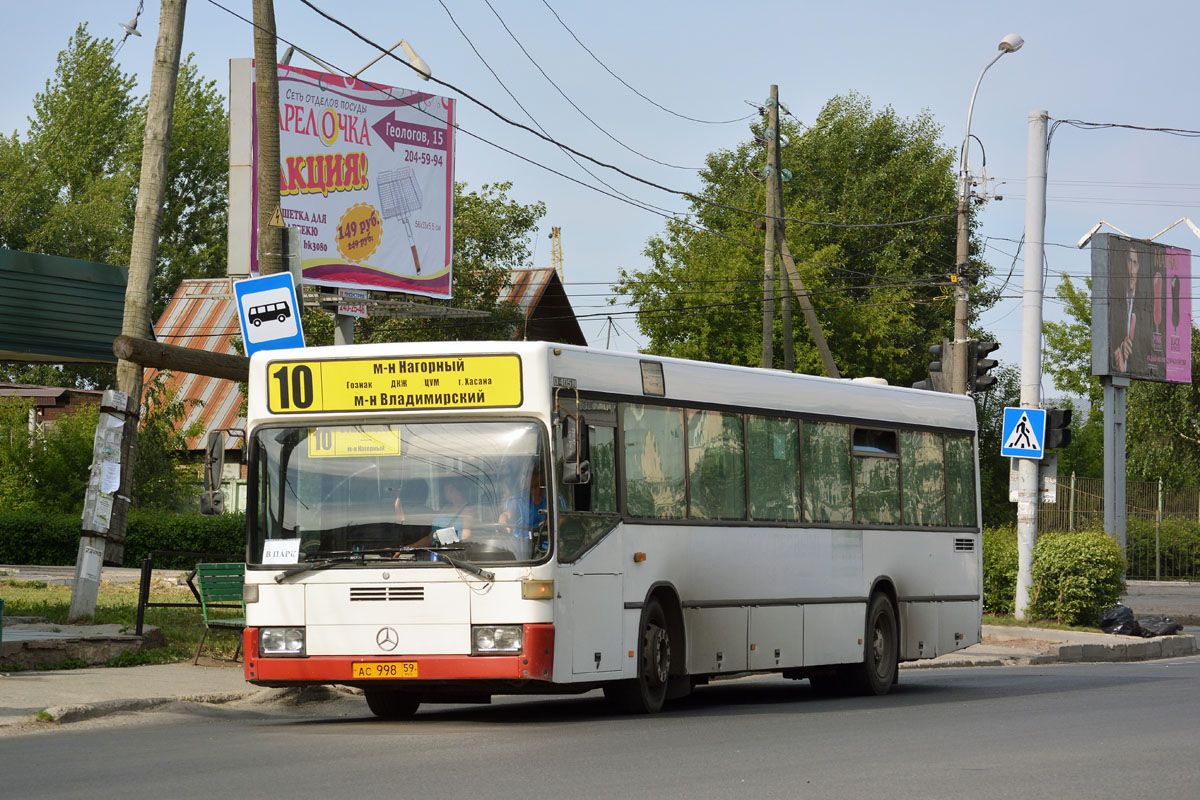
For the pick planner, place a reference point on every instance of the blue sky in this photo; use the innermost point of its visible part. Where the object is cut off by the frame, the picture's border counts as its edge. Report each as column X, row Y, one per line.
column 1094, row 61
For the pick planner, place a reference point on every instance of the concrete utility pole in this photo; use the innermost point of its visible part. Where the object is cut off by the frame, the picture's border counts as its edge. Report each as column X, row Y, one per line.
column 271, row 241
column 771, row 173
column 143, row 258
column 1031, row 349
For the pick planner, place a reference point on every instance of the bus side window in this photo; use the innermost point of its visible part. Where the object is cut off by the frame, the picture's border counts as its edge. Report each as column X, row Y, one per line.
column 876, row 476
column 923, row 477
column 654, row 468
column 960, row 482
column 825, row 460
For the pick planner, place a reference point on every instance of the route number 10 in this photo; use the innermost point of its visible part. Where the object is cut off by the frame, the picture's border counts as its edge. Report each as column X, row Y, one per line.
column 296, row 390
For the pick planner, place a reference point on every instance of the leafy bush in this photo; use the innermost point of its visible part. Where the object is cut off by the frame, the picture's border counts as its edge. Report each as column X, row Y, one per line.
column 53, row 539
column 1075, row 576
column 999, row 569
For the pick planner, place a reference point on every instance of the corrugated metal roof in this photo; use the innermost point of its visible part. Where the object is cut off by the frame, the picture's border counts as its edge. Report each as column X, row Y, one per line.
column 544, row 303
column 202, row 314
column 59, row 310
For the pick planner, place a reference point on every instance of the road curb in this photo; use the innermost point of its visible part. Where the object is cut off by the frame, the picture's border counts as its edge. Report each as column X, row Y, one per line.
column 86, row 711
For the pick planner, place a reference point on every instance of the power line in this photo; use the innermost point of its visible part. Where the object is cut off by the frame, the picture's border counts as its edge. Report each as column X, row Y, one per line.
column 595, row 124
column 687, row 195
column 631, row 88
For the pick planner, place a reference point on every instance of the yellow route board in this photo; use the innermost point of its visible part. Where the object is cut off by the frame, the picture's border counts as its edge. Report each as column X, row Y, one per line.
column 394, row 384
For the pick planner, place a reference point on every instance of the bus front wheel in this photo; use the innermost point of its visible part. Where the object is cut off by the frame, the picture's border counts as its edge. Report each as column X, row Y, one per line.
column 391, row 705
column 647, row 693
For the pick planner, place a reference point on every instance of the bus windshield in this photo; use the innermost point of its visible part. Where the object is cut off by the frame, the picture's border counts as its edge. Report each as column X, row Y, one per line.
column 478, row 486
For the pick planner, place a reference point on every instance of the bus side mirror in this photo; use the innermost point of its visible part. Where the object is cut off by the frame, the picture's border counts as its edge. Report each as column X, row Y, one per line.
column 576, row 468
column 212, row 502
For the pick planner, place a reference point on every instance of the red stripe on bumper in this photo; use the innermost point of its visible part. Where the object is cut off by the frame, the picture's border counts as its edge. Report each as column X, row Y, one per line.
column 535, row 662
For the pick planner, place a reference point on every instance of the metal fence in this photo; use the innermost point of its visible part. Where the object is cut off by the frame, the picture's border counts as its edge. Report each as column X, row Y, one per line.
column 1162, row 525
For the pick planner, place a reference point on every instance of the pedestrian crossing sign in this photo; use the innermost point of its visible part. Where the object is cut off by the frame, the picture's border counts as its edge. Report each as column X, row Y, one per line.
column 1024, row 433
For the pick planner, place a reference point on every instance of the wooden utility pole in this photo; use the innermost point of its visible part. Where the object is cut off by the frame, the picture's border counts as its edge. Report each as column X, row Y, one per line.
column 271, row 242
column 768, row 325
column 143, row 259
column 776, row 240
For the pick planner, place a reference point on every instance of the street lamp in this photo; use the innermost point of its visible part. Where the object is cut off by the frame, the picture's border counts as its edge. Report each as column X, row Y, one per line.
column 1009, row 44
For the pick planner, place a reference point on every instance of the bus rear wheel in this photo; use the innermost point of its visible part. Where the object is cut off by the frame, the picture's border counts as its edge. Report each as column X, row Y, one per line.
column 647, row 693
column 881, row 649
column 391, row 705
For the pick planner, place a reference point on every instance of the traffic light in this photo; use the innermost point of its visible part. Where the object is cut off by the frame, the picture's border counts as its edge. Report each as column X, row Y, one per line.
column 940, row 369
column 1058, row 428
column 978, row 365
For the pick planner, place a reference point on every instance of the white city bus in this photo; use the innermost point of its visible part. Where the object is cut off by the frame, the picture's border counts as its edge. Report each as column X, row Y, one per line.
column 442, row 522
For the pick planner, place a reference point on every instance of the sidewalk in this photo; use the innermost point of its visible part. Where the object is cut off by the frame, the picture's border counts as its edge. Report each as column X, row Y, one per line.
column 1005, row 645
column 78, row 694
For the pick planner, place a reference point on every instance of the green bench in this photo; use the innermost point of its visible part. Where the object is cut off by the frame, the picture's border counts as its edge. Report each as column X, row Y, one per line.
column 219, row 586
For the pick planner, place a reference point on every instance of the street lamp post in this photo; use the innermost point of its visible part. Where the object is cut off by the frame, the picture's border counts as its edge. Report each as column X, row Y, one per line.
column 1009, row 44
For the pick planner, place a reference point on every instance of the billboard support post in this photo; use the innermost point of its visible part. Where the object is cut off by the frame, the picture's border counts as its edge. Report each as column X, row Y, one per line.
column 1114, row 456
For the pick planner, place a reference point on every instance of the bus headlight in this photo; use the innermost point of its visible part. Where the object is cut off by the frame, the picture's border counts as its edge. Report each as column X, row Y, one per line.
column 492, row 639
column 281, row 641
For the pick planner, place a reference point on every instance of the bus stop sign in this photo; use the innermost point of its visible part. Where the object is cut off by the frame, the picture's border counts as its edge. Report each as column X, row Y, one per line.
column 268, row 313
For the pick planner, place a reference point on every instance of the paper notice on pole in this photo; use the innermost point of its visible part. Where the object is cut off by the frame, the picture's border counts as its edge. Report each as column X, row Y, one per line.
column 114, row 421
column 102, row 515
column 120, row 400
column 110, row 476
column 92, row 561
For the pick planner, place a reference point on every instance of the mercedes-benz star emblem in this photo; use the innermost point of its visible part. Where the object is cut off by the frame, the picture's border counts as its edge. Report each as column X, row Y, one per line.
column 387, row 639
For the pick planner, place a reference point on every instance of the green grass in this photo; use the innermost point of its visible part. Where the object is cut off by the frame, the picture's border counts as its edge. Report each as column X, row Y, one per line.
column 117, row 604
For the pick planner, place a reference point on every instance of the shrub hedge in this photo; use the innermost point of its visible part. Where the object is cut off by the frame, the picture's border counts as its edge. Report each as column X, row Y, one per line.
column 1076, row 575
column 999, row 570
column 53, row 540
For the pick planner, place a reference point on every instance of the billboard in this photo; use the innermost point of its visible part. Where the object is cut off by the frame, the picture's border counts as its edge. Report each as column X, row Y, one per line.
column 367, row 176
column 1141, row 309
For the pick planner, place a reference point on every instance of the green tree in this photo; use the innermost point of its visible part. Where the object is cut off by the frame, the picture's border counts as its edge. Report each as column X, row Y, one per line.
column 1067, row 345
column 196, row 207
column 492, row 235
column 161, row 478
column 44, row 469
column 68, row 187
column 881, row 293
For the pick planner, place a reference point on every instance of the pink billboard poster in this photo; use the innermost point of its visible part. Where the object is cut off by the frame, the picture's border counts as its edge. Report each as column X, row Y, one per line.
column 367, row 176
column 1173, row 314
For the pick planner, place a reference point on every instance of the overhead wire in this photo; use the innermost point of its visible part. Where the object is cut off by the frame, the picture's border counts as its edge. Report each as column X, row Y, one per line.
column 687, row 195
column 624, row 83
column 582, row 113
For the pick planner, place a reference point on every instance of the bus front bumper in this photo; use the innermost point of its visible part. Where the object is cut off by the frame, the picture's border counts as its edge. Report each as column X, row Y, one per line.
column 535, row 662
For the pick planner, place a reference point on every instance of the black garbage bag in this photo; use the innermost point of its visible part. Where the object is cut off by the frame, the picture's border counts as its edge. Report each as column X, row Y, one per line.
column 1158, row 626
column 1119, row 621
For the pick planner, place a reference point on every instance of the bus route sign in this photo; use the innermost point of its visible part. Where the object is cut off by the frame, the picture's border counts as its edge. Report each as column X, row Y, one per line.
column 394, row 384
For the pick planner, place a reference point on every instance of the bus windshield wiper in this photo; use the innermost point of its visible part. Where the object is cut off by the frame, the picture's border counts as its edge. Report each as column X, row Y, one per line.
column 456, row 562
column 327, row 558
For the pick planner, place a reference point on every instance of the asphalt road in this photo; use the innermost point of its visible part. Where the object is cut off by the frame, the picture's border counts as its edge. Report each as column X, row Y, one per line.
column 1091, row 730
